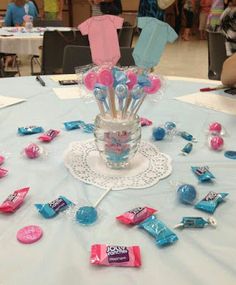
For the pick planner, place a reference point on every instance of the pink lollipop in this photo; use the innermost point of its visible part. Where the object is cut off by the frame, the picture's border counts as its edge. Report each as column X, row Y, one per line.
column 132, row 79
column 105, row 77
column 90, row 79
column 155, row 85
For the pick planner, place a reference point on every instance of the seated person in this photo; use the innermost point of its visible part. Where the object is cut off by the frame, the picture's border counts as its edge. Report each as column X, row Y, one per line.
column 17, row 10
column 52, row 9
column 228, row 75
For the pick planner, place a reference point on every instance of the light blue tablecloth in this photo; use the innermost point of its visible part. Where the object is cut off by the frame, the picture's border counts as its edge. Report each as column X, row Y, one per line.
column 200, row 257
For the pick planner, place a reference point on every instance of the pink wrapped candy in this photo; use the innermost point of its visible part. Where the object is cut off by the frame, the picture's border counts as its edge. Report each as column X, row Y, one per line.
column 33, row 151
column 216, row 142
column 14, row 201
column 132, row 77
column 90, row 79
column 155, row 85
column 110, row 255
column 3, row 172
column 215, row 127
column 49, row 135
column 105, row 77
column 2, row 159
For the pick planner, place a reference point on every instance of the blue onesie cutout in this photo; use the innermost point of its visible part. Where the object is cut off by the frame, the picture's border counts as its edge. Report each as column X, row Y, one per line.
column 150, row 46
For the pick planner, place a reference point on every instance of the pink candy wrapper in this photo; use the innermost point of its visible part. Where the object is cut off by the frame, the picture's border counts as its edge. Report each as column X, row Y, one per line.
column 49, row 135
column 145, row 122
column 2, row 159
column 14, row 201
column 110, row 255
column 136, row 216
column 3, row 172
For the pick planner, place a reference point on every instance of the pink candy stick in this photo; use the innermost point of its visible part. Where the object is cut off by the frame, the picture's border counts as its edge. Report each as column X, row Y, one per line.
column 14, row 201
column 109, row 255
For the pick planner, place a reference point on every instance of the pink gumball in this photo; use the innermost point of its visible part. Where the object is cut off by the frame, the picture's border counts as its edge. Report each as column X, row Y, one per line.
column 32, row 151
column 105, row 77
column 155, row 85
column 90, row 79
column 216, row 142
column 215, row 127
column 132, row 77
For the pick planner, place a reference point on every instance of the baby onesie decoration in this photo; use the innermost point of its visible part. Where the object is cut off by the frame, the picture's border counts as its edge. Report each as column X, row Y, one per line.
column 102, row 34
column 150, row 46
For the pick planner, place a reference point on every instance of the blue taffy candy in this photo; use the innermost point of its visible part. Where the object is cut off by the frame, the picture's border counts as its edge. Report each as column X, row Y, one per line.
column 187, row 149
column 51, row 209
column 187, row 136
column 203, row 174
column 163, row 235
column 211, row 201
column 196, row 222
column 119, row 76
column 143, row 80
column 88, row 128
column 73, row 125
column 30, row 130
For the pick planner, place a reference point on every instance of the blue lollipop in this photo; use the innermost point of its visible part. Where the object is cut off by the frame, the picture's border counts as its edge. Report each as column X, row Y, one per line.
column 136, row 94
column 100, row 93
column 87, row 215
column 121, row 91
column 186, row 193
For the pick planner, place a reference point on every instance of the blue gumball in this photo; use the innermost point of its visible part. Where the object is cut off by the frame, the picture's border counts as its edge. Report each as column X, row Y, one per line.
column 186, row 193
column 158, row 133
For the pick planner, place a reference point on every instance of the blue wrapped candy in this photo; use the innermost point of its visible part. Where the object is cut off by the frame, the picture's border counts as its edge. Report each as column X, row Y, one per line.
column 73, row 125
column 30, row 130
column 211, row 201
column 203, row 174
column 163, row 235
column 158, row 133
column 187, row 149
column 196, row 222
column 51, row 209
column 187, row 136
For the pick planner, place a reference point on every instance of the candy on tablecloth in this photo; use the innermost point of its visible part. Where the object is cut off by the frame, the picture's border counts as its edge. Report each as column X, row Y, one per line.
column 51, row 209
column 231, row 154
column 32, row 151
column 203, row 173
column 3, row 172
column 2, row 159
column 186, row 193
column 211, row 201
column 73, row 125
column 187, row 136
column 30, row 130
column 49, row 135
column 216, row 142
column 136, row 215
column 113, row 255
column 158, row 133
column 196, row 222
column 14, row 201
column 145, row 122
column 162, row 234
column 187, row 149
column 215, row 128
column 29, row 234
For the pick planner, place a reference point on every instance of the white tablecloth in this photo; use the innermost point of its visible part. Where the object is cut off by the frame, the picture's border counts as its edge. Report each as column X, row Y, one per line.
column 22, row 43
column 200, row 257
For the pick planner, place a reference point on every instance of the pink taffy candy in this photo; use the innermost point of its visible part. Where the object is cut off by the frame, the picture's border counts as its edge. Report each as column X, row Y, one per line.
column 155, row 85
column 110, row 255
column 215, row 127
column 216, row 142
column 145, row 122
column 14, row 201
column 136, row 215
column 3, row 172
column 2, row 159
column 49, row 135
column 105, row 77
column 90, row 79
column 32, row 150
column 132, row 77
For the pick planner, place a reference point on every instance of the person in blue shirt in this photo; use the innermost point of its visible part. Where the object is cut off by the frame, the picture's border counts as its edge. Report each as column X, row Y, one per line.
column 150, row 8
column 17, row 10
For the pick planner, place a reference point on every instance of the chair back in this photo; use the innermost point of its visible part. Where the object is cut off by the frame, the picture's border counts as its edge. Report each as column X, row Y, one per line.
column 126, row 35
column 216, row 54
column 54, row 43
column 126, row 58
column 38, row 22
column 75, row 56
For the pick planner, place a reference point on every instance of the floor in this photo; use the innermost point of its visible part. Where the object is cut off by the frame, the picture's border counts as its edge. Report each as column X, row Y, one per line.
column 187, row 59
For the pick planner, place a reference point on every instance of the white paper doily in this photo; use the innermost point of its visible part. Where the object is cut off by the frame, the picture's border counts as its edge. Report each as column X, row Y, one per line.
column 146, row 169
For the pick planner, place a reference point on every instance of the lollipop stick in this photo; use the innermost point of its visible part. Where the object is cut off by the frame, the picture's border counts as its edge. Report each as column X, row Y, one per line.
column 101, row 198
column 112, row 102
column 139, row 105
column 127, row 103
column 101, row 107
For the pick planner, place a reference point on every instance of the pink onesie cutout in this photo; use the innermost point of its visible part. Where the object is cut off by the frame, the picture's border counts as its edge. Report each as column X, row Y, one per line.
column 103, row 38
